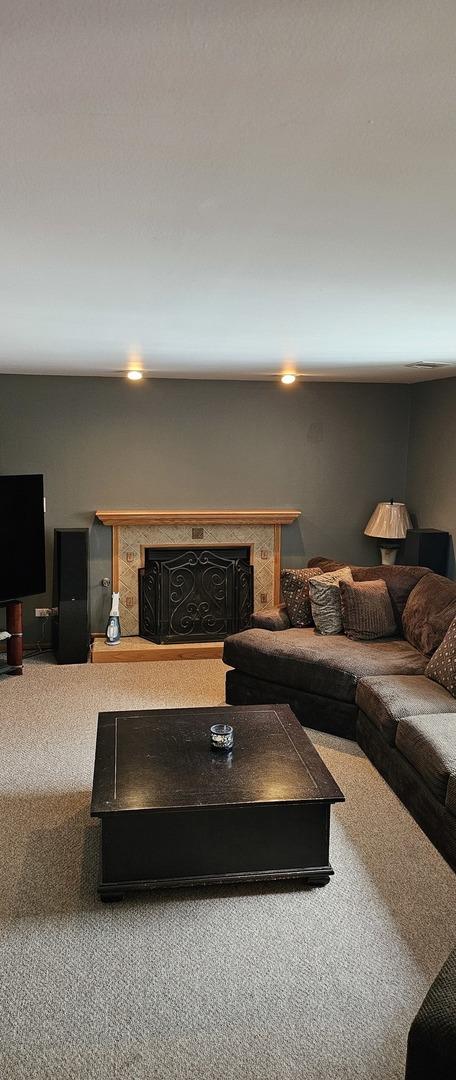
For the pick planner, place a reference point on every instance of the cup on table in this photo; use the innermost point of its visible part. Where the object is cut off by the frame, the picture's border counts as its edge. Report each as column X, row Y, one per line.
column 222, row 737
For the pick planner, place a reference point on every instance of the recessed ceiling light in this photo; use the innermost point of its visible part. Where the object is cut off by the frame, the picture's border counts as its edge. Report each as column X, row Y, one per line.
column 288, row 379
column 134, row 375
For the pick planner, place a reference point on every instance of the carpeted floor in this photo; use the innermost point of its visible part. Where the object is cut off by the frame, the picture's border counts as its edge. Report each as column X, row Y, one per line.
column 237, row 984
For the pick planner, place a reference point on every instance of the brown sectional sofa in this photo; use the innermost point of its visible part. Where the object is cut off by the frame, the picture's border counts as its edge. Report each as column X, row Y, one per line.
column 376, row 692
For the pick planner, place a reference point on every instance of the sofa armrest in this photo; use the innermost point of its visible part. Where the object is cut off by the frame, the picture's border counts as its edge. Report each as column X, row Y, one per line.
column 326, row 565
column 431, row 1049
column 273, row 619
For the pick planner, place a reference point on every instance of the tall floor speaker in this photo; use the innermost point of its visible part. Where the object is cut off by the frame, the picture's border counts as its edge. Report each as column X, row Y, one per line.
column 426, row 547
column 71, row 635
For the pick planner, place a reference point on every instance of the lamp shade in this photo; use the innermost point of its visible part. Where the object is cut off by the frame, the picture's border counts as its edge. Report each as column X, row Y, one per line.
column 389, row 521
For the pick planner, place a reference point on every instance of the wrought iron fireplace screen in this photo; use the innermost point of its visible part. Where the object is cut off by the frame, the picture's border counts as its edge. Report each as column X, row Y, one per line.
column 194, row 594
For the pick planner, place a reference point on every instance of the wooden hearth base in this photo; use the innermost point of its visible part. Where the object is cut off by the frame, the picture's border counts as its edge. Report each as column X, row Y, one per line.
column 138, row 649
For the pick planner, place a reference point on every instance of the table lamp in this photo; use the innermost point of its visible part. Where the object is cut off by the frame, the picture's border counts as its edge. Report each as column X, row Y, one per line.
column 389, row 524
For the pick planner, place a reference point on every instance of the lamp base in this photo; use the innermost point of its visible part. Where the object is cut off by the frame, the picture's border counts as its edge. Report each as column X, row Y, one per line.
column 388, row 554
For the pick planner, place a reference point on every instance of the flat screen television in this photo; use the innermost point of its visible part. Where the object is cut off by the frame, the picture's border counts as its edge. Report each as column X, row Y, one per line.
column 22, row 551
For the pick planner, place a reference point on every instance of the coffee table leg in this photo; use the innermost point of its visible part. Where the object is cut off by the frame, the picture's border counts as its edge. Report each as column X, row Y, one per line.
column 318, row 880
column 111, row 897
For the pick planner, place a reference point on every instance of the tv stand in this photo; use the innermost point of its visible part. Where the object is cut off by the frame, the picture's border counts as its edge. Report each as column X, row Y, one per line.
column 14, row 644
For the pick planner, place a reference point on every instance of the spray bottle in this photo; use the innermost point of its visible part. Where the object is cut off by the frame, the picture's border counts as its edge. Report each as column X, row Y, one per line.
column 113, row 627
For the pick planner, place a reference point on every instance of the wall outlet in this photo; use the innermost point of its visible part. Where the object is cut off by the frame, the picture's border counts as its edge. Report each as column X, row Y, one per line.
column 45, row 612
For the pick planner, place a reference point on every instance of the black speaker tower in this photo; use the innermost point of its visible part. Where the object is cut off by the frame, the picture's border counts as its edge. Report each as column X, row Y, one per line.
column 426, row 547
column 70, row 631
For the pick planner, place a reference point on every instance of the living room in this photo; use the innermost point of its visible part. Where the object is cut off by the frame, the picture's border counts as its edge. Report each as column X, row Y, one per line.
column 228, row 345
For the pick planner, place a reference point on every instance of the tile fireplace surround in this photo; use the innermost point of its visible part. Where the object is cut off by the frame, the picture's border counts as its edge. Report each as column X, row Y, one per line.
column 135, row 530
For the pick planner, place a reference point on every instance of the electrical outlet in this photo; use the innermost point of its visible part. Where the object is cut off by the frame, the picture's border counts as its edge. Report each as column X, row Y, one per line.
column 45, row 612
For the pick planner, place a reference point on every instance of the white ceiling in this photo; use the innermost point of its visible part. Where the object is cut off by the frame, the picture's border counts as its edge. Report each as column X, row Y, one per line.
column 224, row 185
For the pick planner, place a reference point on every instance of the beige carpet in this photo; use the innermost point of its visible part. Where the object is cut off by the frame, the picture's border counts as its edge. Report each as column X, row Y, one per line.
column 276, row 982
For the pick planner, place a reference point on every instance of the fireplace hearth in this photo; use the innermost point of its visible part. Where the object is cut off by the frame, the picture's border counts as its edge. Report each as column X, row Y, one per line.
column 195, row 593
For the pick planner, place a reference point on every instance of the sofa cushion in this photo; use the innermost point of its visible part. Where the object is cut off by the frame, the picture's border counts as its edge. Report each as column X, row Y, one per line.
column 429, row 744
column 329, row 665
column 295, row 593
column 400, row 580
column 442, row 665
column 429, row 610
column 325, row 600
column 431, row 1047
column 386, row 699
column 450, row 798
column 367, row 614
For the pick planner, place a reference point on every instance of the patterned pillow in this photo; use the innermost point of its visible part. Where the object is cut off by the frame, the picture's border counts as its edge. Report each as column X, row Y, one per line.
column 295, row 592
column 325, row 600
column 367, row 612
column 442, row 667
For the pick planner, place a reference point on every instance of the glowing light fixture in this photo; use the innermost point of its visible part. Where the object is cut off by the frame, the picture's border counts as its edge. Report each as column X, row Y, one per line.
column 135, row 365
column 288, row 379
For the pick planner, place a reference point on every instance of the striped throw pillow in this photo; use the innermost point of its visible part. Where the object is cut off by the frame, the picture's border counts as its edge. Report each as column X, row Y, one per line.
column 367, row 612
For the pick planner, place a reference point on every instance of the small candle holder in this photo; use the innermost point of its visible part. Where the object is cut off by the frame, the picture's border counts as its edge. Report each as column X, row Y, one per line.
column 222, row 737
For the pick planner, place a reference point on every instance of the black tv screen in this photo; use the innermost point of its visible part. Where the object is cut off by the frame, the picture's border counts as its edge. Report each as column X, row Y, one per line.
column 22, row 555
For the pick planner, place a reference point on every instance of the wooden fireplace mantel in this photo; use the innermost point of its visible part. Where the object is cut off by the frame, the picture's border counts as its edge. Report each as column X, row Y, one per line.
column 197, row 517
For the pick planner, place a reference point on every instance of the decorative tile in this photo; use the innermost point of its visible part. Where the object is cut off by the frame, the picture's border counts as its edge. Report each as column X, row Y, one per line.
column 134, row 538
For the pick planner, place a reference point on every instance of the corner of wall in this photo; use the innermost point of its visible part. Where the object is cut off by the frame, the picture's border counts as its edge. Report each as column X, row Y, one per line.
column 408, row 424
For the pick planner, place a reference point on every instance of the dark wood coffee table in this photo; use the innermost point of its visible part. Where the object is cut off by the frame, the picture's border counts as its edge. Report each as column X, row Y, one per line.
column 174, row 812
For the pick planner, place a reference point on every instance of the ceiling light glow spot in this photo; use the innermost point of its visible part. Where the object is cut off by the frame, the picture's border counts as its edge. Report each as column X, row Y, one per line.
column 288, row 379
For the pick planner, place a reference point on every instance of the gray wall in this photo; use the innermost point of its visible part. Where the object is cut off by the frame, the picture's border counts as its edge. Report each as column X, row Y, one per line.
column 431, row 473
column 331, row 450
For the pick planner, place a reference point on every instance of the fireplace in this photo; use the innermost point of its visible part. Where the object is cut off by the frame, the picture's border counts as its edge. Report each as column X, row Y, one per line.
column 134, row 531
column 194, row 593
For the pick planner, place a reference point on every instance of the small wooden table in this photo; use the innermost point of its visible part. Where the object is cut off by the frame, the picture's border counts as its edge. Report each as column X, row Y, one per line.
column 14, row 644
column 174, row 812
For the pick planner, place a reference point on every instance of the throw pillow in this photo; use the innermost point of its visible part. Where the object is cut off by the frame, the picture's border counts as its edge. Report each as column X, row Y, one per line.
column 295, row 592
column 442, row 667
column 429, row 610
column 367, row 612
column 325, row 600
